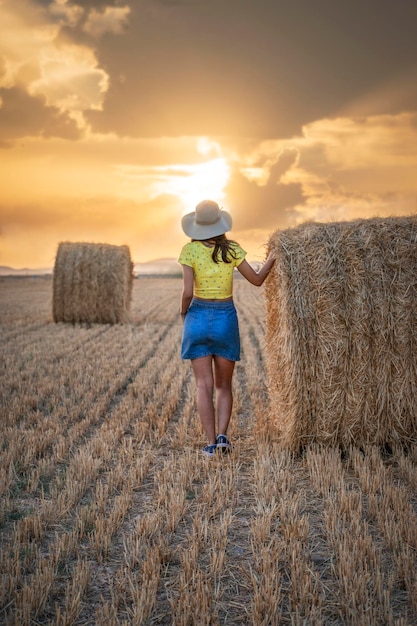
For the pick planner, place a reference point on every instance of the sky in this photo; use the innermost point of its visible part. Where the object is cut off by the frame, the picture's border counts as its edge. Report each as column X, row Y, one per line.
column 118, row 117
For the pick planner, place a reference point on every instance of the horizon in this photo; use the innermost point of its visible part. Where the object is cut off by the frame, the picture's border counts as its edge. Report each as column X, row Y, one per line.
column 166, row 261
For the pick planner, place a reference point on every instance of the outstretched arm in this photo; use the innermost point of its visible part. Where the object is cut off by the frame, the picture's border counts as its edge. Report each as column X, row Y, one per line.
column 256, row 278
column 188, row 289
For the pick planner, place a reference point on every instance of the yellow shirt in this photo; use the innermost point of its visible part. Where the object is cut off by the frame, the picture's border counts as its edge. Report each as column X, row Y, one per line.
column 211, row 280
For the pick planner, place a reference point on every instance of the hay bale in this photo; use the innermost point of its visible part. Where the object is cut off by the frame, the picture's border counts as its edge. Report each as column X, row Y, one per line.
column 92, row 283
column 342, row 333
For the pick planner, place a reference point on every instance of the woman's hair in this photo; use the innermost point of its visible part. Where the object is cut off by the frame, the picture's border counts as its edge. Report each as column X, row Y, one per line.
column 223, row 247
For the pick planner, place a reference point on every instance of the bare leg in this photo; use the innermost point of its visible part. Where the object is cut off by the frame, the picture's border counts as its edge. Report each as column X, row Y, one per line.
column 203, row 374
column 223, row 374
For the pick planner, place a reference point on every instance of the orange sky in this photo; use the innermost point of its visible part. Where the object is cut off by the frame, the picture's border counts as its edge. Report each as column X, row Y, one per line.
column 116, row 118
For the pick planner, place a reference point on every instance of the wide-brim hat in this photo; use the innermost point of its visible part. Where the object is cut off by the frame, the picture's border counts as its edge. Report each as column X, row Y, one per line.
column 208, row 220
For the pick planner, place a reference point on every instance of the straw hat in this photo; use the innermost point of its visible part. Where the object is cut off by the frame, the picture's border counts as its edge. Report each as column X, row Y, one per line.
column 208, row 220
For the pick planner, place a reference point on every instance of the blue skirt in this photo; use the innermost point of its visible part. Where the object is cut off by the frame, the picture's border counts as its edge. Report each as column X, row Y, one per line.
column 211, row 328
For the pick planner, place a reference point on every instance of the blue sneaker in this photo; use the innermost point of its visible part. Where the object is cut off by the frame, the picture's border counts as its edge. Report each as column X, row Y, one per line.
column 223, row 444
column 209, row 450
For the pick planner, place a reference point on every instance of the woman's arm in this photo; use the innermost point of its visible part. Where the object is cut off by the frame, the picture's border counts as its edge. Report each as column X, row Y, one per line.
column 188, row 289
column 256, row 278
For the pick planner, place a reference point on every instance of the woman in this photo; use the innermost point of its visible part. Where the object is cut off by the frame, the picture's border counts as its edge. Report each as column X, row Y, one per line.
column 210, row 332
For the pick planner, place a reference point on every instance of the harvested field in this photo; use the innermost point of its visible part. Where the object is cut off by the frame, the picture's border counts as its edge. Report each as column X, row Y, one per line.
column 109, row 515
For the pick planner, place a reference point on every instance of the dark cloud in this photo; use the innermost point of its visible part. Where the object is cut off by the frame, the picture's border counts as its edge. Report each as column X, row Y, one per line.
column 22, row 115
column 265, row 207
column 87, row 4
column 285, row 160
column 174, row 3
column 246, row 68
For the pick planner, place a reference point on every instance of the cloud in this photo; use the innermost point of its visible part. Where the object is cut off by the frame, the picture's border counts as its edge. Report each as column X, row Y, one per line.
column 367, row 142
column 336, row 169
column 70, row 79
column 110, row 20
column 23, row 38
column 248, row 69
column 22, row 115
column 189, row 182
column 67, row 13
column 36, row 58
column 188, row 71
column 188, row 67
column 178, row 2
column 267, row 206
column 397, row 93
column 357, row 167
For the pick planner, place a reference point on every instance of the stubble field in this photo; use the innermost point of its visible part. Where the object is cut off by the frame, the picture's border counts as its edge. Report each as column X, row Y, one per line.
column 110, row 515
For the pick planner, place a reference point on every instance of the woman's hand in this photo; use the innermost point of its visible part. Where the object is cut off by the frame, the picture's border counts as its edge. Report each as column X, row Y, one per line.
column 270, row 258
column 257, row 278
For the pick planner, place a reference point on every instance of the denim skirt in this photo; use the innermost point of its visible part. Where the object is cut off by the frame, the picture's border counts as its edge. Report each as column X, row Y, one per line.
column 211, row 328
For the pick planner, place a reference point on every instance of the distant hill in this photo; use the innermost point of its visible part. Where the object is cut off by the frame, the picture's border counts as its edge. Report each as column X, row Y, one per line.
column 157, row 267
column 24, row 271
column 165, row 267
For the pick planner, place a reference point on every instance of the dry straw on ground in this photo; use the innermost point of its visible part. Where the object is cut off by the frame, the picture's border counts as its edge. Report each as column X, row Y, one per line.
column 110, row 515
column 342, row 332
column 92, row 283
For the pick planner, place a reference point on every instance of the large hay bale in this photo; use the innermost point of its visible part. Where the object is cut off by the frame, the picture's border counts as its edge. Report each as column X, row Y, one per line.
column 92, row 283
column 342, row 333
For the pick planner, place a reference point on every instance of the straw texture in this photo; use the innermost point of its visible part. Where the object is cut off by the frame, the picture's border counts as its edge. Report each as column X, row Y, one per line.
column 92, row 283
column 342, row 333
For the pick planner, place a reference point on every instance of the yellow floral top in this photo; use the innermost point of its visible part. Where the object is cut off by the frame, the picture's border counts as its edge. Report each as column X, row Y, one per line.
column 212, row 280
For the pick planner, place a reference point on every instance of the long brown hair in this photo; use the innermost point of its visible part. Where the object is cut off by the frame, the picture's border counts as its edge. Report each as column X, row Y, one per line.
column 224, row 248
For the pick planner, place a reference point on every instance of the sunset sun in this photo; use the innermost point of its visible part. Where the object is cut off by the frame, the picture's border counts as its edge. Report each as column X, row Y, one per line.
column 196, row 182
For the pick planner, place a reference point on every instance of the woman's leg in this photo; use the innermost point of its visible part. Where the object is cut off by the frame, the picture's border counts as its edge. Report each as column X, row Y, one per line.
column 203, row 374
column 223, row 374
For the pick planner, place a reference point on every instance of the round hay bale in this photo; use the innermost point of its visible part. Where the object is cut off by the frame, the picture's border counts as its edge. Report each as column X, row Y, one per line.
column 92, row 283
column 341, row 333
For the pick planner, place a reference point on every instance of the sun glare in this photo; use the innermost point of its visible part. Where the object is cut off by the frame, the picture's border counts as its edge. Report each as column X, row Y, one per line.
column 192, row 183
column 206, row 146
